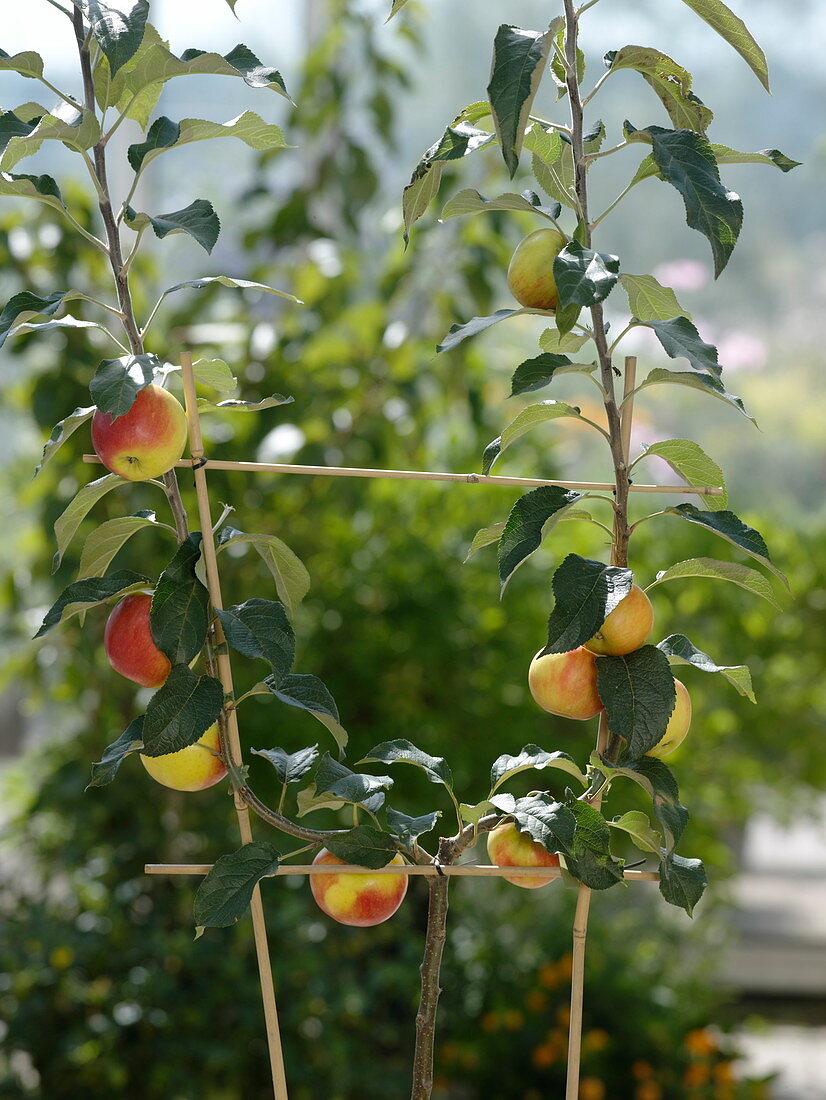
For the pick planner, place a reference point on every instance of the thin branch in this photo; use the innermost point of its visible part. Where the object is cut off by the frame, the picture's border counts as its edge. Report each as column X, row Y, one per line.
column 551, row 125
column 61, row 95
column 614, row 204
column 625, row 331
column 597, row 87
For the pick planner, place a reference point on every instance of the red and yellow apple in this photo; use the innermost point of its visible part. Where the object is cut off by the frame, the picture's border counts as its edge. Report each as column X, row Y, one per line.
column 531, row 270
column 626, row 628
column 146, row 441
column 129, row 644
column 566, row 683
column 678, row 724
column 194, row 768
column 360, row 900
column 508, row 847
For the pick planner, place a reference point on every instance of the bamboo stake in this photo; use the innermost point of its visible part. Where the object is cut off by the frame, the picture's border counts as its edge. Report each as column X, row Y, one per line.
column 232, row 748
column 456, row 869
column 433, row 475
column 627, row 414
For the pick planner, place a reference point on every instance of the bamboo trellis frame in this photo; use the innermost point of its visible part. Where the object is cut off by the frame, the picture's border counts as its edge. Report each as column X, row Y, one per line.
column 199, row 464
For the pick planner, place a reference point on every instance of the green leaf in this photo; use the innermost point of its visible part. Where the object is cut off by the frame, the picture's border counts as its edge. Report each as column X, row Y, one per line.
column 532, row 757
column 61, row 432
column 83, row 595
column 590, row 859
column 731, row 528
column 419, row 194
column 344, row 785
column 103, row 543
column 459, row 332
column 638, row 827
column 554, row 176
column 165, row 134
column 711, row 569
column 519, row 59
column 180, row 611
column 585, row 594
column 686, row 160
column 181, row 711
column 470, row 201
column 76, row 511
column 680, row 651
column 560, row 77
column 682, row 881
column 198, row 220
column 485, row 537
column 657, row 779
column 706, row 383
column 233, row 405
column 548, row 822
column 474, row 814
column 292, row 581
column 131, row 740
column 79, row 133
column 725, row 155
column 290, row 766
column 12, row 125
column 536, row 373
column 309, row 693
column 26, row 305
column 395, row 8
column 364, row 846
column 690, row 462
column 118, row 28
column 554, row 342
column 260, row 629
column 28, row 63
column 584, row 277
column 530, row 417
column 679, row 337
column 670, row 81
column 42, row 188
column 526, row 526
column 639, row 696
column 404, row 752
column 409, row 829
column 730, row 27
column 215, row 373
column 226, row 280
column 649, row 300
column 226, row 892
column 117, row 382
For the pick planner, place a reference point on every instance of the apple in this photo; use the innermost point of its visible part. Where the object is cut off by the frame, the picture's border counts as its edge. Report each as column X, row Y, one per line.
column 626, row 628
column 531, row 270
column 358, row 900
column 678, row 724
column 146, row 441
column 129, row 644
column 194, row 768
column 566, row 683
column 508, row 847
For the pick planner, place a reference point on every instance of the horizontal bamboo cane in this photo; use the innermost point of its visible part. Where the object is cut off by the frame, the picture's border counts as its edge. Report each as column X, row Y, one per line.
column 464, row 870
column 431, row 475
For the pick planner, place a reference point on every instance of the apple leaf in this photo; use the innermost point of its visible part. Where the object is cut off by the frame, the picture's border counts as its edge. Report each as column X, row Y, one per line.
column 180, row 611
column 584, row 277
column 25, row 305
column 585, row 594
column 554, row 342
column 234, row 405
column 706, row 383
column 117, row 382
column 671, row 82
column 27, row 63
column 290, row 766
column 311, row 694
column 636, row 824
column 118, row 28
column 80, row 132
column 76, row 511
column 679, row 337
column 104, row 542
column 487, row 536
column 165, row 134
column 292, row 581
column 726, row 155
column 395, row 8
column 680, row 651
column 226, row 892
column 198, row 219
column 226, row 280
column 85, row 594
column 519, row 59
column 730, row 27
column 461, row 331
column 61, row 432
column 531, row 757
column 731, row 528
column 131, row 740
column 649, row 300
column 404, row 752
column 260, row 629
column 639, row 696
column 526, row 526
column 344, row 785
column 590, row 859
column 712, row 569
column 364, row 846
column 682, row 881
column 13, row 125
column 470, row 201
column 536, row 373
column 530, row 417
column 657, row 779
column 408, row 829
column 181, row 711
column 548, row 822
column 690, row 462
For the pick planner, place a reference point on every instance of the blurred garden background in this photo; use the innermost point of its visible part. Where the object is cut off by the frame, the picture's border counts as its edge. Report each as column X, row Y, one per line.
column 103, row 991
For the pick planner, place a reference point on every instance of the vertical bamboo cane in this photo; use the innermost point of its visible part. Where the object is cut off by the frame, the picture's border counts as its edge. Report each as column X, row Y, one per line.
column 232, row 748
column 583, row 901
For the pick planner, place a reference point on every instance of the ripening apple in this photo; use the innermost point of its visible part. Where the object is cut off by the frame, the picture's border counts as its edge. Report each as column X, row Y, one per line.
column 129, row 644
column 678, row 724
column 146, row 441
column 508, row 847
column 356, row 899
column 194, row 768
column 626, row 628
column 566, row 683
column 531, row 270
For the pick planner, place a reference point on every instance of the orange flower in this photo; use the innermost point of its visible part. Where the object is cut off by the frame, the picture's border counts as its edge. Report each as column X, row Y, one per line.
column 595, row 1040
column 566, row 965
column 544, row 1056
column 700, row 1043
column 548, row 976
column 696, row 1074
column 724, row 1073
column 563, row 1016
column 641, row 1070
column 648, row 1090
column 536, row 1000
column 591, row 1088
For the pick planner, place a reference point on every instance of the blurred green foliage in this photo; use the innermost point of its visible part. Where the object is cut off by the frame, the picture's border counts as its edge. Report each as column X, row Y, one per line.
column 102, row 989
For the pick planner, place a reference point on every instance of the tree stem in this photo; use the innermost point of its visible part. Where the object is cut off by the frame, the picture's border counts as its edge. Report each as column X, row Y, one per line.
column 435, row 937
